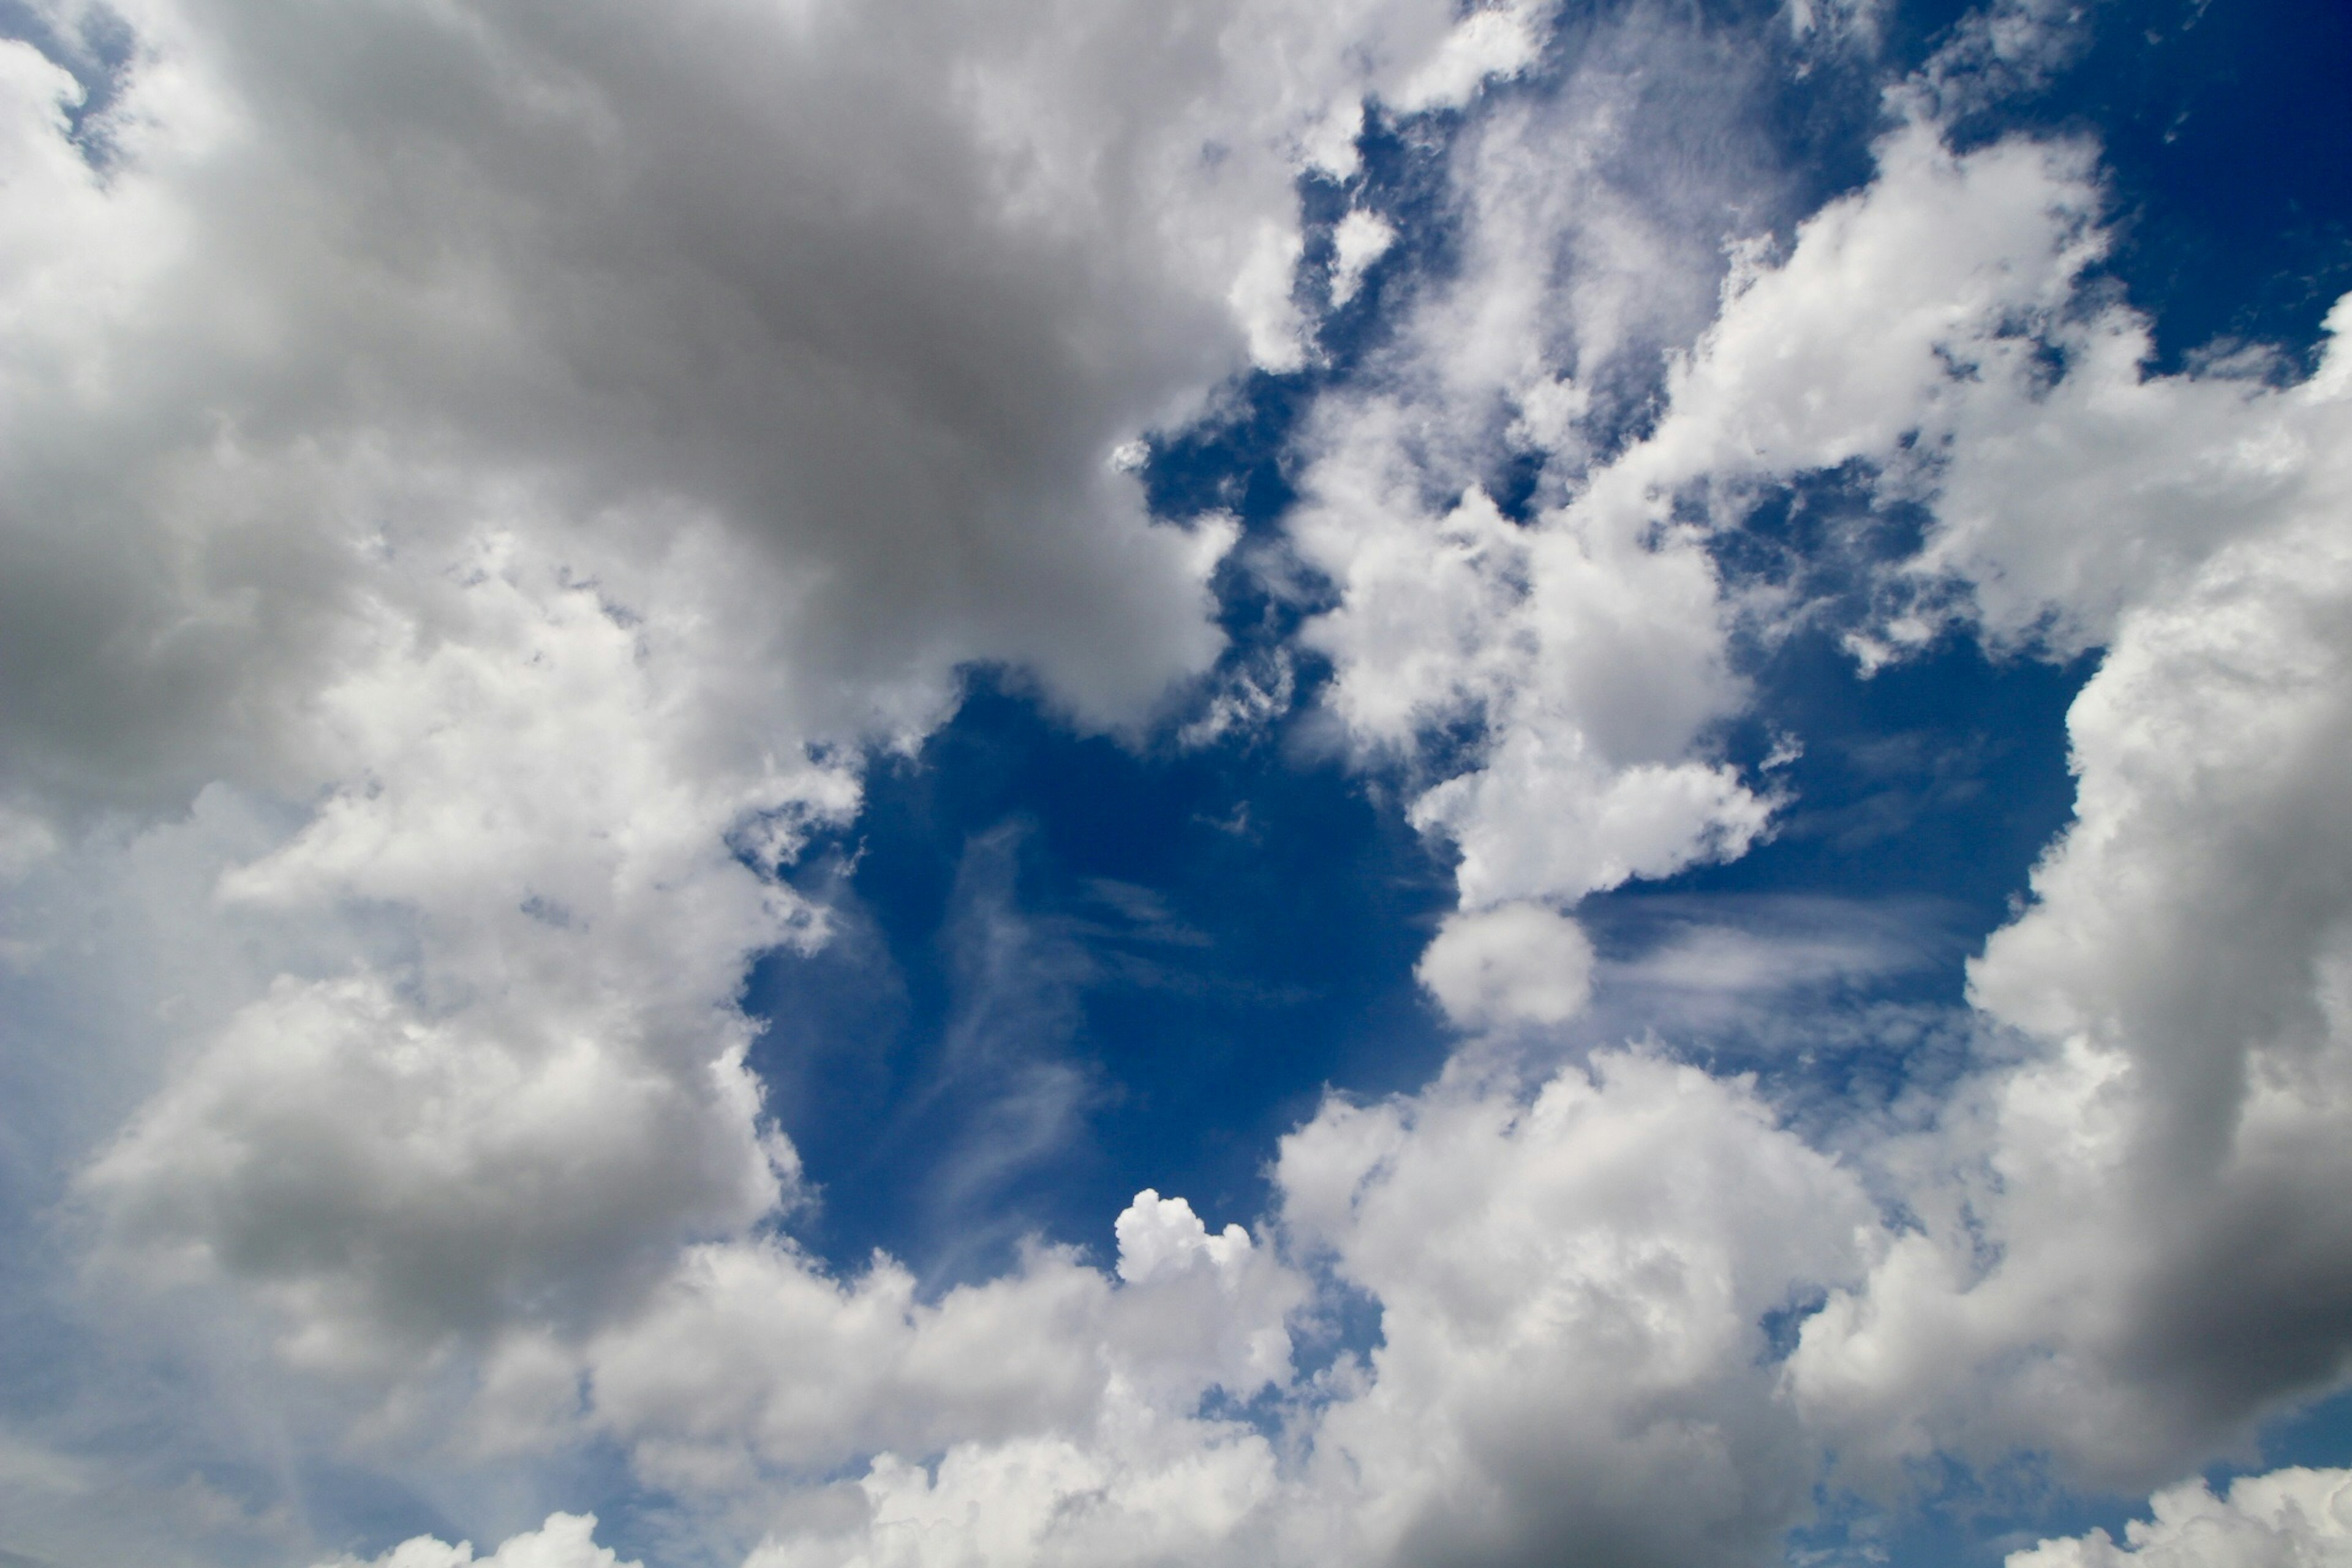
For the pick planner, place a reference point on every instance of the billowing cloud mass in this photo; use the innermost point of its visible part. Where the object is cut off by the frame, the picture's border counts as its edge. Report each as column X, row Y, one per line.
column 2289, row 1517
column 485, row 485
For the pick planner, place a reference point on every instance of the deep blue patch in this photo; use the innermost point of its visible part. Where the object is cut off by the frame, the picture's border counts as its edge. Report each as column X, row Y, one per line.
column 1943, row 776
column 2226, row 126
column 1186, row 947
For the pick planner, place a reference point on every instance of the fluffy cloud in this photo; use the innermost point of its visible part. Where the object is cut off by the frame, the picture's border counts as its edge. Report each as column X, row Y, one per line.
column 1576, row 1290
column 1574, row 1293
column 750, row 1356
column 540, row 1020
column 2181, row 963
column 2288, row 1519
column 1357, row 241
column 508, row 469
column 2180, row 968
column 565, row 1540
column 2122, row 1253
column 1122, row 1498
column 619, row 262
column 499, row 467
column 2177, row 968
column 1518, row 963
column 2157, row 1178
column 485, row 477
column 1584, row 648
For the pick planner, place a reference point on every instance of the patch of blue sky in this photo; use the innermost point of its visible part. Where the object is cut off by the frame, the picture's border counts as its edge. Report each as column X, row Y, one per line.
column 2223, row 128
column 1167, row 953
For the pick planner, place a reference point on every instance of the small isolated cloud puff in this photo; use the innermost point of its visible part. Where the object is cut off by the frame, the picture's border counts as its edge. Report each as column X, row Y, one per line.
column 1517, row 964
column 1163, row 1235
column 2288, row 1519
column 1358, row 239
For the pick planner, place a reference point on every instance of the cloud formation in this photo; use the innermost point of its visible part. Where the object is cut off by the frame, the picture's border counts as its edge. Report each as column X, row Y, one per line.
column 2288, row 1517
column 486, row 480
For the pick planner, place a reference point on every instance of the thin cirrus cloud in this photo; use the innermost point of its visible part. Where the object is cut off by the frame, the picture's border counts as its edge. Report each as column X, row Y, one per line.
column 487, row 482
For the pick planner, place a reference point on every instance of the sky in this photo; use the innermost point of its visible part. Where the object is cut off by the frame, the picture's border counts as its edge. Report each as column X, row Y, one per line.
column 788, row 784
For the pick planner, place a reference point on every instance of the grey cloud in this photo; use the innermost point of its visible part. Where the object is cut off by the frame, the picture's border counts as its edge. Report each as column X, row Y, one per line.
column 882, row 311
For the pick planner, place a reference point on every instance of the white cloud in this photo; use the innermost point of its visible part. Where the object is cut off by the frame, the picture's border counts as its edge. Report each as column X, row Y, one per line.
column 480, row 456
column 2087, row 1282
column 1490, row 41
column 1518, row 963
column 308, row 277
column 1573, row 1285
column 531, row 1013
column 1139, row 1493
column 2287, row 1518
column 2155, row 1178
column 1850, row 347
column 1583, row 649
column 750, row 1356
column 1699, row 959
column 565, row 1540
column 489, row 474
column 1357, row 240
column 2181, row 959
column 1572, row 1291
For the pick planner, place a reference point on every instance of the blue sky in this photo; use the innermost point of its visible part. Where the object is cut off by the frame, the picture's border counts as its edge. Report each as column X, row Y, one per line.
column 1280, row 781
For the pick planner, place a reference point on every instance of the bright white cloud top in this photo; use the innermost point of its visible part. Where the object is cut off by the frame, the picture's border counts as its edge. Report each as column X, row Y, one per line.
column 481, row 483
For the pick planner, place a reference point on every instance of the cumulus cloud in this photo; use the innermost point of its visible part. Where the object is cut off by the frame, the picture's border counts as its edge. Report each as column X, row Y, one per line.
column 1357, row 241
column 750, row 1356
column 2287, row 1518
column 1583, row 648
column 1518, row 963
column 1499, row 40
column 2176, row 963
column 1576, row 1287
column 565, row 1540
column 1135, row 1494
column 2156, row 1175
column 2180, row 960
column 2121, row 1255
column 628, row 270
column 1898, row 311
column 483, row 479
column 530, row 438
column 509, row 468
column 1574, row 1290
